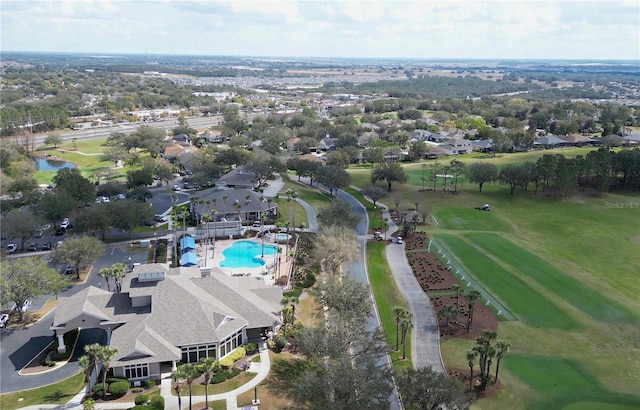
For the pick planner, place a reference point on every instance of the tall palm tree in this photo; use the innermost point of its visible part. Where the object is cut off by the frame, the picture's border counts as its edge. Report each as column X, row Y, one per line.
column 214, row 214
column 191, row 373
column 105, row 273
column 287, row 318
column 208, row 367
column 448, row 312
column 84, row 362
column 184, row 214
column 502, row 348
column 459, row 292
column 405, row 324
column 118, row 272
column 106, row 355
column 471, row 357
column 472, row 296
column 205, row 220
column 175, row 220
column 92, row 351
column 178, row 376
column 291, row 302
column 399, row 312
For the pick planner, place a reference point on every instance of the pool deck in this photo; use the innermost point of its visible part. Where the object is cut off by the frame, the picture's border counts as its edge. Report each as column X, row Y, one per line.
column 266, row 272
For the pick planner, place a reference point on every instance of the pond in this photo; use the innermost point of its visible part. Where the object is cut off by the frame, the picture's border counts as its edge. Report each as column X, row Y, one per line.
column 44, row 164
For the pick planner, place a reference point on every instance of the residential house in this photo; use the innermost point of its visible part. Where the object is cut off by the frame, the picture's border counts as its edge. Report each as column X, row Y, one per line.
column 485, row 145
column 164, row 316
column 292, row 144
column 435, row 152
column 365, row 138
column 238, row 178
column 328, row 143
column 550, row 141
column 182, row 139
column 457, row 146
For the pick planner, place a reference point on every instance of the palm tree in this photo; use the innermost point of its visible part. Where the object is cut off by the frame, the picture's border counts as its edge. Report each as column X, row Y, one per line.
column 472, row 296
column 118, row 271
column 105, row 355
column 84, row 362
column 471, row 357
column 486, row 352
column 291, row 301
column 287, row 318
column 92, row 351
column 206, row 219
column 191, row 373
column 399, row 312
column 208, row 367
column 459, row 292
column 184, row 214
column 405, row 324
column 214, row 212
column 89, row 404
column 177, row 376
column 175, row 220
column 106, row 273
column 502, row 348
column 448, row 312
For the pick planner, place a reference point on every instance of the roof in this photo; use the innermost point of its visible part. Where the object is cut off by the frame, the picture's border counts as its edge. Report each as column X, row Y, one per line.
column 549, row 140
column 225, row 201
column 187, row 243
column 188, row 259
column 238, row 177
column 185, row 309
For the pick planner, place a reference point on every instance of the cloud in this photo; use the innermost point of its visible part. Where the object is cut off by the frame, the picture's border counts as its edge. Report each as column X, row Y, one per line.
column 418, row 29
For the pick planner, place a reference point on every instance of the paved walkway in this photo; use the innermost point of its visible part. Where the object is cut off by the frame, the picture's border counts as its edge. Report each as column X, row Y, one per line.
column 170, row 401
column 425, row 336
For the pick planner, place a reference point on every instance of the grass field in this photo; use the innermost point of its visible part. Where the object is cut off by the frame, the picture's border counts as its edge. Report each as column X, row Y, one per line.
column 57, row 393
column 587, row 300
column 555, row 264
column 522, row 300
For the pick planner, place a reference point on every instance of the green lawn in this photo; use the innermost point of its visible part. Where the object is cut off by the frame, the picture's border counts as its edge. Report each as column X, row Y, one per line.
column 565, row 384
column 588, row 300
column 466, row 219
column 57, row 393
column 387, row 296
column 521, row 300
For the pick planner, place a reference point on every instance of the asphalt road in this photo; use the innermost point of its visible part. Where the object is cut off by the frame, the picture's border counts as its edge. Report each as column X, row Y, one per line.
column 19, row 346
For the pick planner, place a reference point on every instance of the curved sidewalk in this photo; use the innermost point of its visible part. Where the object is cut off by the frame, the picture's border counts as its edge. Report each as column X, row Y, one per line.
column 425, row 336
column 170, row 401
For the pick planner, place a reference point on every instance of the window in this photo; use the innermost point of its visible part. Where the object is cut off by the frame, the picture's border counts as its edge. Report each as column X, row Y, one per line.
column 195, row 354
column 136, row 371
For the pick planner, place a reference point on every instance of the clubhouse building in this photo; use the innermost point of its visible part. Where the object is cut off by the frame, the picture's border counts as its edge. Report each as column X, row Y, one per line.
column 164, row 316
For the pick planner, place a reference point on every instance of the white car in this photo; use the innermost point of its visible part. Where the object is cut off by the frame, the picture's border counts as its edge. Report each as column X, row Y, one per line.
column 4, row 318
column 12, row 247
column 399, row 239
column 25, row 306
column 119, row 197
column 65, row 224
column 104, row 200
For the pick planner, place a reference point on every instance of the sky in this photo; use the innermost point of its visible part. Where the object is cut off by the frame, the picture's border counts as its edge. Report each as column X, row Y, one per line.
column 421, row 29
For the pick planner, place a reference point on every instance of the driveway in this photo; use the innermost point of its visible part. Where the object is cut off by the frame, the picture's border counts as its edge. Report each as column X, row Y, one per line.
column 19, row 346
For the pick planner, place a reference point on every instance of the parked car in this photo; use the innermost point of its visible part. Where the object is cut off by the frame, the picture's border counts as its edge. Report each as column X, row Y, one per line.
column 4, row 319
column 33, row 247
column 46, row 246
column 25, row 306
column 120, row 196
column 399, row 239
column 12, row 247
column 64, row 225
column 59, row 244
column 187, row 185
column 162, row 218
column 39, row 233
column 67, row 270
column 176, row 188
column 104, row 200
column 60, row 231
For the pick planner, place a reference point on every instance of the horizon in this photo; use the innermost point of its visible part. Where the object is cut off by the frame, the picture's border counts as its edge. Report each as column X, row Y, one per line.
column 383, row 29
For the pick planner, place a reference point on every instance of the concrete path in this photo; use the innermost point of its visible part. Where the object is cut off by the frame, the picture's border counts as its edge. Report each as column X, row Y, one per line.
column 425, row 336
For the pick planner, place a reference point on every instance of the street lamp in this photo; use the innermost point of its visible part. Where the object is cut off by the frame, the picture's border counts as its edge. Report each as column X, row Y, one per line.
column 130, row 266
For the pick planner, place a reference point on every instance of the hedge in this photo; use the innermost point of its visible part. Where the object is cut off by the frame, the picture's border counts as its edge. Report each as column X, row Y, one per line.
column 97, row 389
column 141, row 399
column 119, row 389
column 149, row 383
column 232, row 357
column 157, row 403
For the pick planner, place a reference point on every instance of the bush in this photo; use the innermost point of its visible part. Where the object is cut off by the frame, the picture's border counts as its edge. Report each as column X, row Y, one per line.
column 137, row 390
column 141, row 399
column 149, row 383
column 113, row 379
column 97, row 389
column 278, row 343
column 161, row 253
column 232, row 357
column 251, row 348
column 219, row 378
column 157, row 403
column 309, row 280
column 233, row 373
column 119, row 389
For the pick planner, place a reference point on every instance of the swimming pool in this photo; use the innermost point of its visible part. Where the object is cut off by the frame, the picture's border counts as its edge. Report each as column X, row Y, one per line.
column 246, row 254
column 281, row 237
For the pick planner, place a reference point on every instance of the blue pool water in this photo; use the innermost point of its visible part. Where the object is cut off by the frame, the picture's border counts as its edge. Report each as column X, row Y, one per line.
column 245, row 254
column 43, row 164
